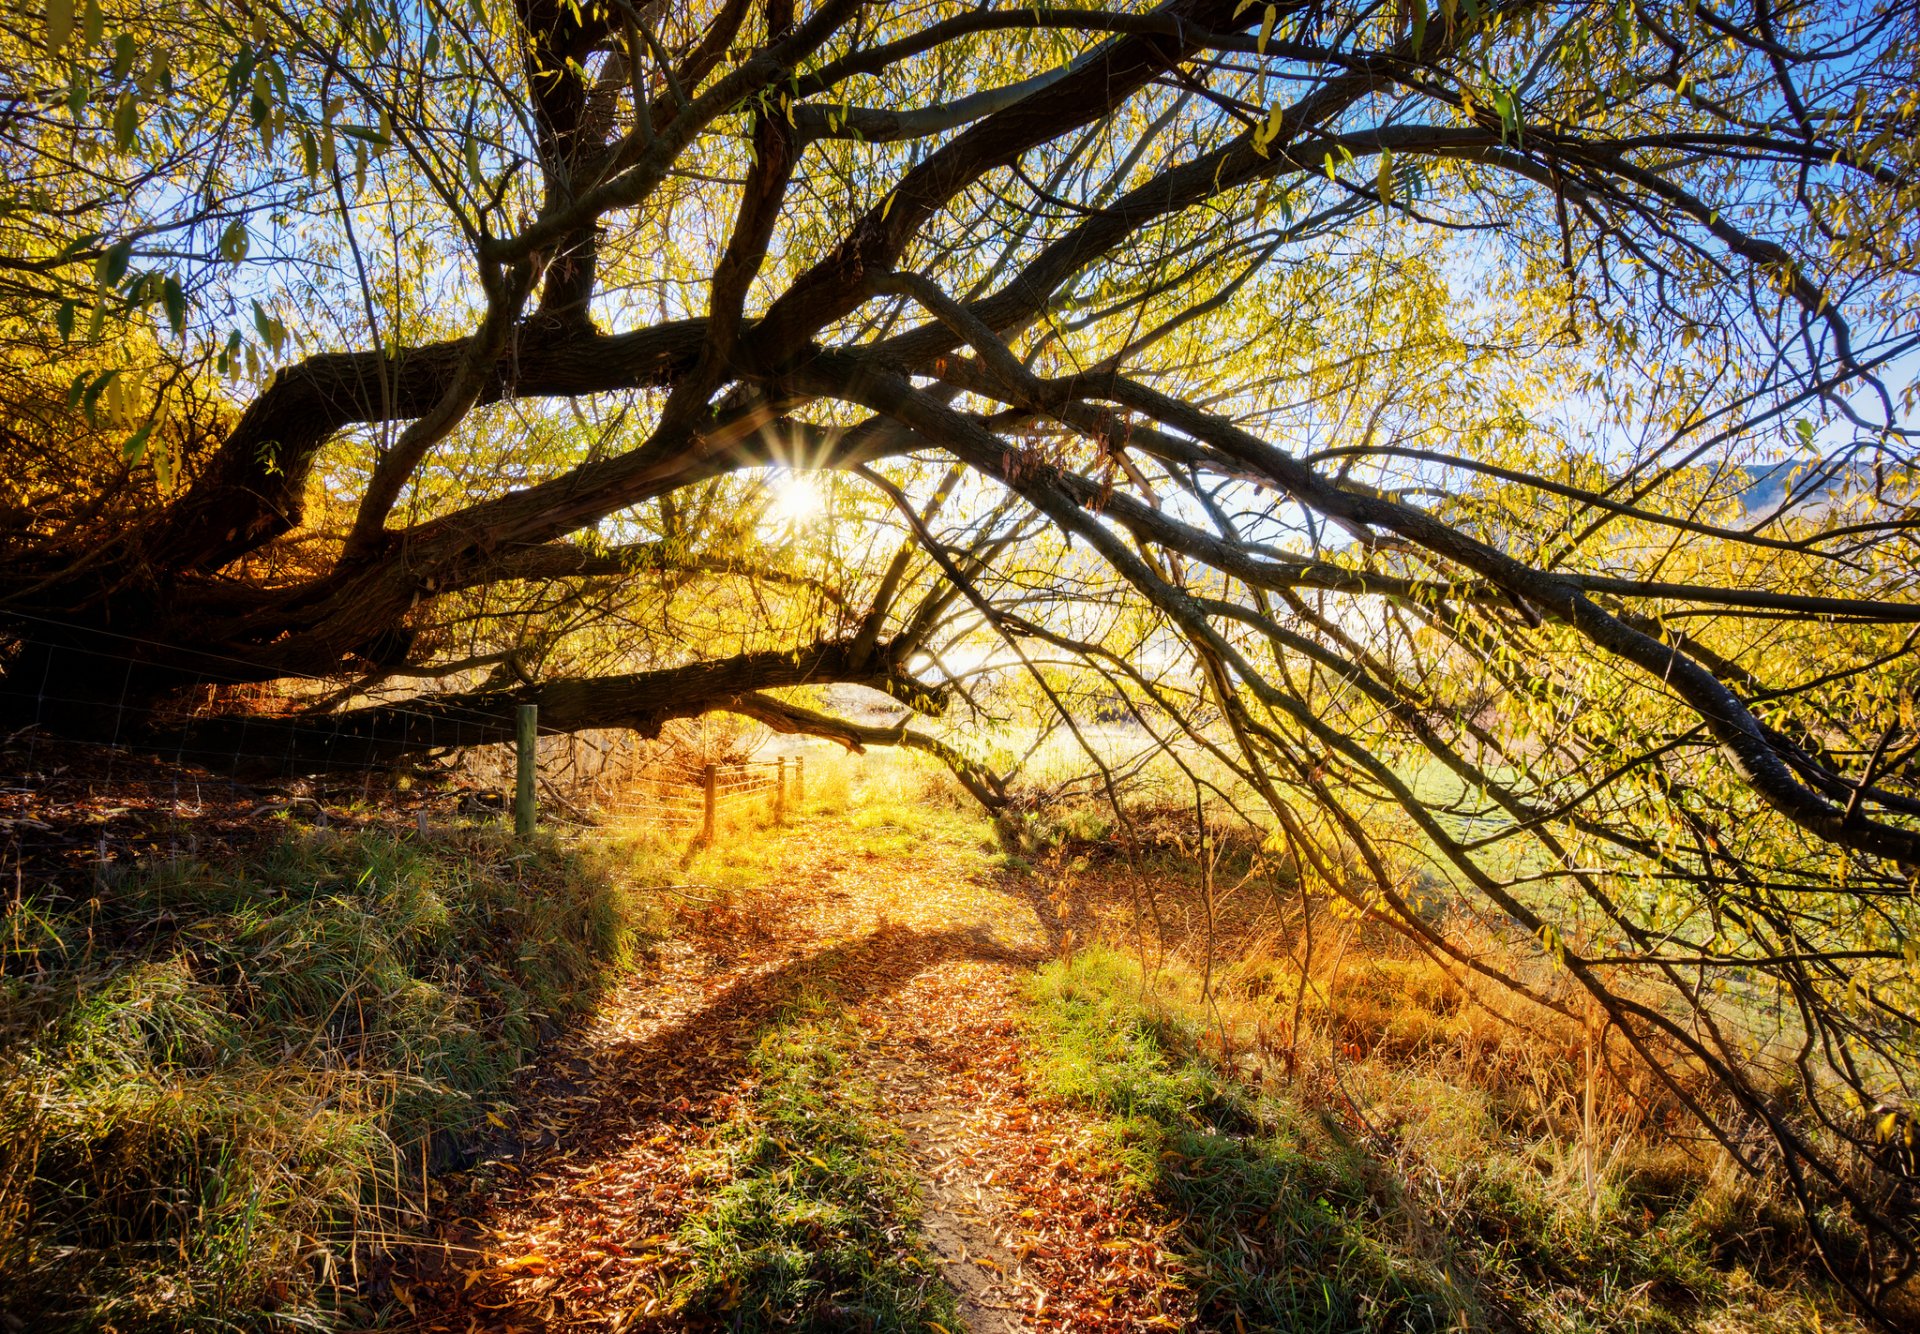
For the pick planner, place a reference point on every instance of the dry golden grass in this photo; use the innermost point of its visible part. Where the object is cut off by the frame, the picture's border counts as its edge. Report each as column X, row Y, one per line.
column 1535, row 1163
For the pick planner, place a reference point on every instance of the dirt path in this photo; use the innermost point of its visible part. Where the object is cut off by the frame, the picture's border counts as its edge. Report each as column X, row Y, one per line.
column 573, row 1229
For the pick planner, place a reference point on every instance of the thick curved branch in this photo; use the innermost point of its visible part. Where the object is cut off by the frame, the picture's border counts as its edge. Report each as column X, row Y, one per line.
column 835, row 285
column 880, row 125
column 638, row 701
column 559, row 560
column 252, row 488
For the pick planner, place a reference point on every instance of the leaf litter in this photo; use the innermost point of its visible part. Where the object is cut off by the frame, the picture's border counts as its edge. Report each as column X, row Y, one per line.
column 572, row 1222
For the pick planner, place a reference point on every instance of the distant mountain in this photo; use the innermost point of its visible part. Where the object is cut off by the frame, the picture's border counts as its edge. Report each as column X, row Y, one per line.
column 1804, row 485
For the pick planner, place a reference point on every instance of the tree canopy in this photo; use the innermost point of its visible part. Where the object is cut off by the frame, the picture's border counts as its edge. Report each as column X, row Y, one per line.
column 1472, row 438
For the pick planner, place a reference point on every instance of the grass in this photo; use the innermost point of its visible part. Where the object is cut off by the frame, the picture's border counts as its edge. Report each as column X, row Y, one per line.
column 1282, row 1220
column 892, row 800
column 1402, row 1195
column 221, row 1086
column 812, row 1224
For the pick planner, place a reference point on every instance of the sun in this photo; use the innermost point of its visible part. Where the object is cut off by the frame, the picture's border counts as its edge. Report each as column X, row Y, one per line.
column 796, row 501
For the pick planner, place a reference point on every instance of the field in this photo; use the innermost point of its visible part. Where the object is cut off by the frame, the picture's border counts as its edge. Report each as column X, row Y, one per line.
column 874, row 1068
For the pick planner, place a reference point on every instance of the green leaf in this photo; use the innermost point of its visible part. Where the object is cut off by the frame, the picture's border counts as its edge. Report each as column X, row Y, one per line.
column 1805, row 428
column 63, row 320
column 84, row 241
column 1509, row 113
column 175, row 300
column 91, row 391
column 111, row 267
column 124, row 52
column 59, row 24
column 158, row 76
column 234, row 241
column 240, row 73
column 272, row 332
column 126, row 122
column 135, row 446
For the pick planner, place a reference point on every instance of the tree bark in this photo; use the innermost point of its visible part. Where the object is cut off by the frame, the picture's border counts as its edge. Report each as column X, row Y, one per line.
column 383, row 735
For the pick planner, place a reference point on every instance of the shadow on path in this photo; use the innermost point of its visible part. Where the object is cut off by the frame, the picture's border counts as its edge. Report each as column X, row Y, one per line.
column 570, row 1227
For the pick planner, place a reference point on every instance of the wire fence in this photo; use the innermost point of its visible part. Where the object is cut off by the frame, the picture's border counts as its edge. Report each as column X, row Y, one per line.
column 94, row 772
column 678, row 793
column 241, row 734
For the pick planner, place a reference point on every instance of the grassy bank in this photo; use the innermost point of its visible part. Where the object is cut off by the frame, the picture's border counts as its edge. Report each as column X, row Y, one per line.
column 1399, row 1197
column 812, row 1221
column 220, row 1086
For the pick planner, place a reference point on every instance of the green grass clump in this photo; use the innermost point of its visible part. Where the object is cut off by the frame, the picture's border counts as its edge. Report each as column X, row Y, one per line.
column 814, row 1227
column 1283, row 1225
column 220, row 1085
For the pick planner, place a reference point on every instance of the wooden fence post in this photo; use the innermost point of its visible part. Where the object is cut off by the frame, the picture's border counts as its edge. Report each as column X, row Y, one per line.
column 525, row 733
column 780, row 792
column 713, row 773
column 800, row 783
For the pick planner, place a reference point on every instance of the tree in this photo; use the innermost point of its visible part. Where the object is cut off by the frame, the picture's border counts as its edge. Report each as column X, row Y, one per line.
column 1377, row 397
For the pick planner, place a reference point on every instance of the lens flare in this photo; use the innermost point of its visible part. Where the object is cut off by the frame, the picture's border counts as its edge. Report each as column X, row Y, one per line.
column 796, row 502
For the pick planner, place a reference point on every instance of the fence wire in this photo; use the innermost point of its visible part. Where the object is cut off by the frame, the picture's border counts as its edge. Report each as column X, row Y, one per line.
column 87, row 783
